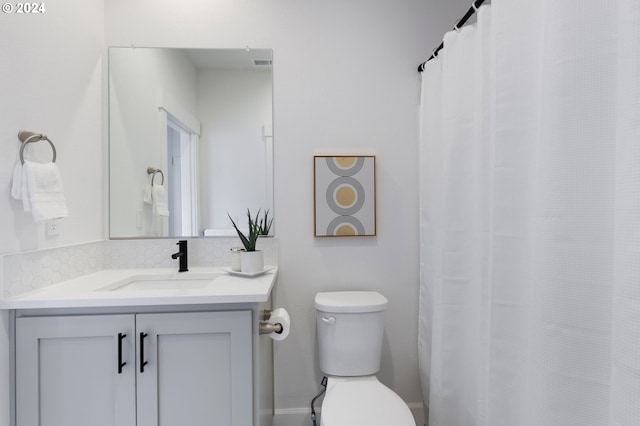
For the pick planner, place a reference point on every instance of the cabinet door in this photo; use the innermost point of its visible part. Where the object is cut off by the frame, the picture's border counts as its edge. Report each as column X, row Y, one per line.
column 198, row 369
column 68, row 372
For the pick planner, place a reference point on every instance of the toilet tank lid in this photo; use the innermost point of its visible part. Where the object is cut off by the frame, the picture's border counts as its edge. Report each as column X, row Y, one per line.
column 350, row 301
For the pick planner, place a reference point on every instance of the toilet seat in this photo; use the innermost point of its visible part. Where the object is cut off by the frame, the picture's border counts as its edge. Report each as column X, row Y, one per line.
column 363, row 401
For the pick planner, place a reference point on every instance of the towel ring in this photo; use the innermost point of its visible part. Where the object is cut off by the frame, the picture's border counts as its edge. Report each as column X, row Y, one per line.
column 27, row 137
column 154, row 172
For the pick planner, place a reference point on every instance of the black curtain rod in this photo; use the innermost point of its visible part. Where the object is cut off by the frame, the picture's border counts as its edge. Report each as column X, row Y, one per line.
column 475, row 5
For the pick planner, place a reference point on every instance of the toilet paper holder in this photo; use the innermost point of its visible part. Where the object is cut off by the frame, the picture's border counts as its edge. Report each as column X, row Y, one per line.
column 266, row 327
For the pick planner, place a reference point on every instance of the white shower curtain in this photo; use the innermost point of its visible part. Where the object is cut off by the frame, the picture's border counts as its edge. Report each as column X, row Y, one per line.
column 530, row 217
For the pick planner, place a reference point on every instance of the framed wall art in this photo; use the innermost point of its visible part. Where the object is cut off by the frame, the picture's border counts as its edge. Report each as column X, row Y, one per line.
column 345, row 196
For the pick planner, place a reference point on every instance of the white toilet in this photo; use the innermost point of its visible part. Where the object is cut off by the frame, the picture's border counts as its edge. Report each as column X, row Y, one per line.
column 350, row 326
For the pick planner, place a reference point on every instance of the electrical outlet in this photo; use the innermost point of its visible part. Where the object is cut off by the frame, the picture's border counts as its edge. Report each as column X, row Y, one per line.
column 52, row 229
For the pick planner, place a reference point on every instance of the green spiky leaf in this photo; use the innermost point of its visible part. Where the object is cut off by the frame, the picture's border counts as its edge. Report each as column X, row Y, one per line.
column 265, row 224
column 249, row 241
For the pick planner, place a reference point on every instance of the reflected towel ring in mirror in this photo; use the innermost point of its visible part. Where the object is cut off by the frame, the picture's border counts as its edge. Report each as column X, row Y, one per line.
column 29, row 137
column 153, row 172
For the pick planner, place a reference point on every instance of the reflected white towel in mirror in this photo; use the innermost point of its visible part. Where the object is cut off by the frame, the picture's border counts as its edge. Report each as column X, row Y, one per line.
column 156, row 196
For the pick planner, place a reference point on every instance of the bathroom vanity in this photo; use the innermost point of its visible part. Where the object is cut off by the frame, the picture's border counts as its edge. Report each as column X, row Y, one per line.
column 146, row 348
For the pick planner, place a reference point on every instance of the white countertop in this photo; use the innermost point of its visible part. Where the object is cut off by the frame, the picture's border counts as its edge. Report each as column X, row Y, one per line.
column 89, row 290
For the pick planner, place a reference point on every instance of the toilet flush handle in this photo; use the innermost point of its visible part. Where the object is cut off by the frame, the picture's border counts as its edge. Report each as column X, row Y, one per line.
column 329, row 320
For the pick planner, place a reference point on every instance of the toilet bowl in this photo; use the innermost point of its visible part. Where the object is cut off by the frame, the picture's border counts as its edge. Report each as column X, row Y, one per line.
column 350, row 330
column 360, row 401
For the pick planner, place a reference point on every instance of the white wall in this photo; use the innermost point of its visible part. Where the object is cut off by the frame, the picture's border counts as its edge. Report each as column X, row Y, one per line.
column 345, row 81
column 234, row 105
column 51, row 80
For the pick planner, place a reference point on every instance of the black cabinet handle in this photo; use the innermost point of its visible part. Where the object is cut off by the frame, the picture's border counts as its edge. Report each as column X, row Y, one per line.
column 121, row 364
column 142, row 361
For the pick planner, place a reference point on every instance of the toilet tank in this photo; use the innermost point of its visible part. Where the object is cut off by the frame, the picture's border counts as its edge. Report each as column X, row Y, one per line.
column 350, row 326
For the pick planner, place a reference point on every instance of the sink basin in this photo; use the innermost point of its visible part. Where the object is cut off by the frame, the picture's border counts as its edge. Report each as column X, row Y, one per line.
column 162, row 282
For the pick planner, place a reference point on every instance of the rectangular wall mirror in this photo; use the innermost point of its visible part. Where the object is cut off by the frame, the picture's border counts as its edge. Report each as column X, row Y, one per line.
column 190, row 140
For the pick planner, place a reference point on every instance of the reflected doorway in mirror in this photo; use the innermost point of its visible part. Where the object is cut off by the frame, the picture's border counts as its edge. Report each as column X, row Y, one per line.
column 182, row 182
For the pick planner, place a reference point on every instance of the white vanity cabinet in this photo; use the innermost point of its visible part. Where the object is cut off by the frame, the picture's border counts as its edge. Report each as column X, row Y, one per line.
column 66, row 371
column 198, row 369
column 137, row 369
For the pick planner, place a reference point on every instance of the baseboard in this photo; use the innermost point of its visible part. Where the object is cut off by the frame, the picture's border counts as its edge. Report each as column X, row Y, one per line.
column 293, row 417
column 302, row 416
column 417, row 409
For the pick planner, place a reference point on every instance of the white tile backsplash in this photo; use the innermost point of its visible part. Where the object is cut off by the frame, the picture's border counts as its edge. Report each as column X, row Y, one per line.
column 32, row 270
column 26, row 271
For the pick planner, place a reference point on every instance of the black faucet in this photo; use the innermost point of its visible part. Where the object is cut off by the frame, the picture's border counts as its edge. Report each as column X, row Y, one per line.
column 182, row 254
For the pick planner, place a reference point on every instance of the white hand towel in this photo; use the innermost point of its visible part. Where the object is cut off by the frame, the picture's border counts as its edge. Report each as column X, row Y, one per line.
column 16, row 183
column 160, row 204
column 156, row 196
column 44, row 191
column 147, row 197
column 19, row 187
column 26, row 203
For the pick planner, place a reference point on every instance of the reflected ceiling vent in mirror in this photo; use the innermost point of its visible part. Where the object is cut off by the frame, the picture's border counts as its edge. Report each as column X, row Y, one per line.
column 262, row 62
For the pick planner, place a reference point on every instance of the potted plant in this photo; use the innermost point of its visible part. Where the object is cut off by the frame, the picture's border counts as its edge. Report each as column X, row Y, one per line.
column 265, row 224
column 251, row 260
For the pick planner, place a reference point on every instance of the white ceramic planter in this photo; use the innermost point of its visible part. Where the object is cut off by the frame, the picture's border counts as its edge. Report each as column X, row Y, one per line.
column 235, row 259
column 251, row 261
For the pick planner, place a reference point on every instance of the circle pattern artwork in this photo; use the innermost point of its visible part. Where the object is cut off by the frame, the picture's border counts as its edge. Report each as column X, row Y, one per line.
column 342, row 190
column 344, row 195
column 345, row 225
column 345, row 166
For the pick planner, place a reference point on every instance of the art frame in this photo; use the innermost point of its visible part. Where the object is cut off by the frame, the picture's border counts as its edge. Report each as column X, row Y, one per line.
column 344, row 195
